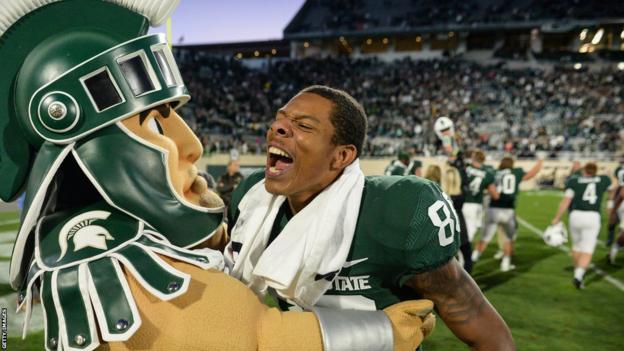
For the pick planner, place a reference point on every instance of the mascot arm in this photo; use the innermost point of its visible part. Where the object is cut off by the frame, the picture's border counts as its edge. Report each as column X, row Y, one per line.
column 220, row 313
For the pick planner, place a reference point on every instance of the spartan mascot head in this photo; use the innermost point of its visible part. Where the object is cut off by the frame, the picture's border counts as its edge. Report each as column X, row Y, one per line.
column 72, row 72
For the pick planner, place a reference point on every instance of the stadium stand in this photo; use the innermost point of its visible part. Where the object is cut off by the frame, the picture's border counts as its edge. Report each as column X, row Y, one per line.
column 321, row 16
column 495, row 108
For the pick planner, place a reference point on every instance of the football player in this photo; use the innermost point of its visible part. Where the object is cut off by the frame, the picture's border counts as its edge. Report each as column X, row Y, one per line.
column 312, row 229
column 404, row 167
column 398, row 166
column 479, row 179
column 502, row 211
column 615, row 212
column 583, row 195
column 114, row 204
column 455, row 183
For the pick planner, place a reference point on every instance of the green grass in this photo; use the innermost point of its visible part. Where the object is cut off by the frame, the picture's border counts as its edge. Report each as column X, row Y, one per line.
column 536, row 300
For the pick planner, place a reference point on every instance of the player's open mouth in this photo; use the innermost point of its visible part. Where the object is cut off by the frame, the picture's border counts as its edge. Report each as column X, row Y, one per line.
column 278, row 161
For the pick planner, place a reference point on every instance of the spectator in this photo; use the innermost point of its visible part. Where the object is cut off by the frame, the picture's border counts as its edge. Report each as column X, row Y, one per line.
column 229, row 181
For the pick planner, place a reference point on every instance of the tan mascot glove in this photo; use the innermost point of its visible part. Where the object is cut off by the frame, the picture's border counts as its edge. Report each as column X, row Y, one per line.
column 412, row 322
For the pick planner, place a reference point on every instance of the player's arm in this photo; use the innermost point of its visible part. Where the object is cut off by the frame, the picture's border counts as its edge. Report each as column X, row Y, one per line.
column 619, row 199
column 463, row 307
column 533, row 171
column 491, row 189
column 563, row 205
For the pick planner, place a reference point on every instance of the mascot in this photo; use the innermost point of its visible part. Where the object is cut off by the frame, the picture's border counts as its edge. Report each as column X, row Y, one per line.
column 114, row 206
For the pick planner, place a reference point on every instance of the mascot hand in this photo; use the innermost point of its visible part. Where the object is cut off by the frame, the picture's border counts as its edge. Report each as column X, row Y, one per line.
column 412, row 321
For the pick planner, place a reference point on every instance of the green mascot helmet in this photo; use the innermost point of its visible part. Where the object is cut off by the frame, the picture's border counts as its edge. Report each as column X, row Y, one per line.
column 72, row 70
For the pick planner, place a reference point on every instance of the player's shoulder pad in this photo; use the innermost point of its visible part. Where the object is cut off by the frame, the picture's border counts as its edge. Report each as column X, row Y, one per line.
column 402, row 202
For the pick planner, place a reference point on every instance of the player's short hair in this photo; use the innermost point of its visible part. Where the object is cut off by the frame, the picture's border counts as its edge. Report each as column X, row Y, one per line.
column 591, row 169
column 478, row 156
column 347, row 116
column 506, row 163
column 434, row 173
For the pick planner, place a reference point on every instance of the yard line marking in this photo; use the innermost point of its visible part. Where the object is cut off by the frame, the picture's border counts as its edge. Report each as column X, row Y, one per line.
column 614, row 281
column 10, row 221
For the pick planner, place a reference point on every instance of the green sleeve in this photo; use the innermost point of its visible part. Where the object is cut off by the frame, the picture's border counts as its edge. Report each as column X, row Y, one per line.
column 239, row 192
column 568, row 183
column 607, row 182
column 520, row 174
column 488, row 179
column 432, row 236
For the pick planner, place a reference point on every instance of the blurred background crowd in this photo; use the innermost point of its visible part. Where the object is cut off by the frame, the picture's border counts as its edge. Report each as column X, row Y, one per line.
column 495, row 108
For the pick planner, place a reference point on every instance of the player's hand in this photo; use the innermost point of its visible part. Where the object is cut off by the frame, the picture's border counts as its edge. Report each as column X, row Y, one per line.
column 412, row 321
column 555, row 221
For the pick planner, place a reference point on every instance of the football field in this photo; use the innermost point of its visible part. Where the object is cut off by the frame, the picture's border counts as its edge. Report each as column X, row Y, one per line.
column 537, row 299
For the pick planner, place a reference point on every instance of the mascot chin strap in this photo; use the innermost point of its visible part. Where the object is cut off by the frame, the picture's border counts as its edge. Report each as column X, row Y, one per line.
column 78, row 265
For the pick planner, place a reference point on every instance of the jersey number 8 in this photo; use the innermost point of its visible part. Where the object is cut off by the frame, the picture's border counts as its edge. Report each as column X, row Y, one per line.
column 448, row 221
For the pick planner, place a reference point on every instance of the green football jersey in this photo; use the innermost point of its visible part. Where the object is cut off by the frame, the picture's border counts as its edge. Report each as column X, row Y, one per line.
column 406, row 226
column 478, row 180
column 508, row 185
column 413, row 166
column 396, row 168
column 619, row 175
column 588, row 192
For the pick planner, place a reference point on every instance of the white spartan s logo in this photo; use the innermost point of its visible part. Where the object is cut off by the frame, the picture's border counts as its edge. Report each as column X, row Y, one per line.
column 84, row 233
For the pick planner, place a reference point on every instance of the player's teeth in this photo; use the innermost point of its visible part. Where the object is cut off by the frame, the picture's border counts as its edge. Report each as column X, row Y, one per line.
column 273, row 169
column 276, row 151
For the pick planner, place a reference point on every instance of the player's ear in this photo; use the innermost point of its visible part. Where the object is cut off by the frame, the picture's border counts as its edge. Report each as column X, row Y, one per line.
column 343, row 156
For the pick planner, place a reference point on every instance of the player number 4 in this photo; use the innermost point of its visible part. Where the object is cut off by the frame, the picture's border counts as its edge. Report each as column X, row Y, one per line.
column 443, row 223
column 589, row 194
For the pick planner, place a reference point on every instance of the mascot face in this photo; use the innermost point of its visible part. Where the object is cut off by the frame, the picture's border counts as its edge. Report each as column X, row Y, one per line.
column 163, row 127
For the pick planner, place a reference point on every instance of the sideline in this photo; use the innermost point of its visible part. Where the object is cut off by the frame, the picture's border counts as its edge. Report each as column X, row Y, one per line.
column 614, row 281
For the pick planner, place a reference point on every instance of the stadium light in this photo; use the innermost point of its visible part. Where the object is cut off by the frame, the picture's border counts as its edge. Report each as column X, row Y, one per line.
column 598, row 36
column 450, row 34
column 273, row 51
column 239, row 56
column 622, row 34
column 369, row 41
column 620, row 66
column 306, row 45
column 256, row 53
column 418, row 39
column 578, row 66
column 583, row 34
column 385, row 41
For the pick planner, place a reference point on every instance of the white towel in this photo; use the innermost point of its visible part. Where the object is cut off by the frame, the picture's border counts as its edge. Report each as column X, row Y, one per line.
column 314, row 243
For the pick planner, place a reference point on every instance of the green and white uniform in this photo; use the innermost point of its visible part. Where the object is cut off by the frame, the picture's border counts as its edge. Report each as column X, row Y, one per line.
column 399, row 168
column 406, row 226
column 413, row 166
column 478, row 180
column 502, row 211
column 584, row 220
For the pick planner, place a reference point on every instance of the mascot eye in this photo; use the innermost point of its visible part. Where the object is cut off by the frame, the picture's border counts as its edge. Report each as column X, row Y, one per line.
column 155, row 126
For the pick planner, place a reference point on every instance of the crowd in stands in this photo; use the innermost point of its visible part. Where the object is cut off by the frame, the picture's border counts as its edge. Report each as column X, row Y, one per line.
column 494, row 108
column 359, row 15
